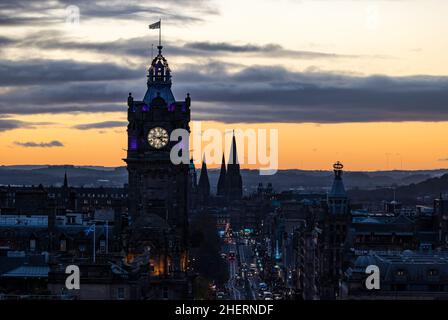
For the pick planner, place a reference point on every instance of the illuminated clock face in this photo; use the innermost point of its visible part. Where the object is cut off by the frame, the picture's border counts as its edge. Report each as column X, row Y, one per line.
column 158, row 137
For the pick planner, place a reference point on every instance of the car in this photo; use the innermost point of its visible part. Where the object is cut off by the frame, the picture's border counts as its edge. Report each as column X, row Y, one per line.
column 262, row 286
column 267, row 295
column 277, row 296
column 220, row 295
column 231, row 256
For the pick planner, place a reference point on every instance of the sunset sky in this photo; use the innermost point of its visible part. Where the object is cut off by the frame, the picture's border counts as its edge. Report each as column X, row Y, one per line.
column 363, row 82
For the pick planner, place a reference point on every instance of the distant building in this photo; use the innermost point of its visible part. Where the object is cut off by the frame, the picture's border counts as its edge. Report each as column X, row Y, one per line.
column 234, row 182
column 403, row 275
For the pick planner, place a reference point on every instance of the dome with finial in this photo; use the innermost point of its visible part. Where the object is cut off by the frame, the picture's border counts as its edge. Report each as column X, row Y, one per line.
column 159, row 80
column 159, row 71
column 338, row 189
column 338, row 166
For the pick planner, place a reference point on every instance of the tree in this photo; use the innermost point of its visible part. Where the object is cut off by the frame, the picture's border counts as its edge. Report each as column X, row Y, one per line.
column 206, row 250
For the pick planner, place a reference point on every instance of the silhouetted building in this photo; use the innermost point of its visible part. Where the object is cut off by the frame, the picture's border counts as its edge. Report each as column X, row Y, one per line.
column 441, row 220
column 403, row 275
column 158, row 189
column 234, row 183
column 221, row 187
column 204, row 183
column 335, row 227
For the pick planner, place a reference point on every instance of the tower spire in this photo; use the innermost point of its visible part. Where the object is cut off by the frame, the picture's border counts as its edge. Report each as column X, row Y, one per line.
column 234, row 182
column 204, row 183
column 221, row 188
column 233, row 151
column 65, row 180
column 337, row 198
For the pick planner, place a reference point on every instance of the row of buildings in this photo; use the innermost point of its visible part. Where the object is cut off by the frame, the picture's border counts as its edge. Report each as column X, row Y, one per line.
column 320, row 245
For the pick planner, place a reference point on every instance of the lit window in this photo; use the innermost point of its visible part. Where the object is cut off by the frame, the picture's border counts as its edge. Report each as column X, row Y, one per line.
column 433, row 272
column 400, row 272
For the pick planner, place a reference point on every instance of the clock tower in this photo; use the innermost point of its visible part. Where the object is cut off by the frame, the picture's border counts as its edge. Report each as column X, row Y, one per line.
column 158, row 189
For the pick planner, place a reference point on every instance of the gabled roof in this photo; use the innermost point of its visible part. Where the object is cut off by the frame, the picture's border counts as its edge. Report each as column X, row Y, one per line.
column 402, row 219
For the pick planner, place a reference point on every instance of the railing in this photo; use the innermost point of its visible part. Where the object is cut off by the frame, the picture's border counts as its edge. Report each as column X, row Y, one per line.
column 21, row 221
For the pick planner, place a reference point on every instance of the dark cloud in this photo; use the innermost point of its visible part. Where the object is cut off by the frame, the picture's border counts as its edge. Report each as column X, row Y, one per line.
column 101, row 125
column 33, row 72
column 23, row 12
column 139, row 47
column 254, row 94
column 63, row 108
column 76, row 95
column 271, row 50
column 11, row 124
column 30, row 144
column 274, row 94
column 118, row 9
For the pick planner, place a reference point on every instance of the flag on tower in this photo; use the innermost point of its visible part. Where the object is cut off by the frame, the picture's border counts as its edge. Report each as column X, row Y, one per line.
column 155, row 25
column 90, row 229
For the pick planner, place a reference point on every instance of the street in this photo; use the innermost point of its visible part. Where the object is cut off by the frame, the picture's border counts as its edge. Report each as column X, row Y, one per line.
column 243, row 272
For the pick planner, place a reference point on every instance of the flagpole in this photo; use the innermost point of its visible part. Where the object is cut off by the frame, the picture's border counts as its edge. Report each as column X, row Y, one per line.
column 160, row 32
column 107, row 237
column 94, row 244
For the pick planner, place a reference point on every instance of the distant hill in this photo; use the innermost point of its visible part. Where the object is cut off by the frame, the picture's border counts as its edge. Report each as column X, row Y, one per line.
column 429, row 188
column 283, row 180
column 54, row 175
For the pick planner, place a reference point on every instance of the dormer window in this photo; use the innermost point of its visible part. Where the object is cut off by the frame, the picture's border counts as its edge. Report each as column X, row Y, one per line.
column 401, row 272
column 433, row 272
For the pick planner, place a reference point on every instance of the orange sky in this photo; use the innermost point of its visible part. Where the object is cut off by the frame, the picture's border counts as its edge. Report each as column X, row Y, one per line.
column 360, row 146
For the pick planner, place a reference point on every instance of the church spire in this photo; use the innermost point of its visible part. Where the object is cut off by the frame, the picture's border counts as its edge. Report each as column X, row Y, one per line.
column 204, row 183
column 233, row 152
column 234, row 182
column 221, row 188
column 65, row 180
